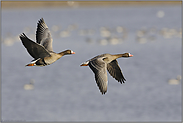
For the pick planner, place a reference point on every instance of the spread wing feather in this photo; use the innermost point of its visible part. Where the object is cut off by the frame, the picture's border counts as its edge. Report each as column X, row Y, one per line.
column 98, row 66
column 34, row 49
column 115, row 71
column 43, row 35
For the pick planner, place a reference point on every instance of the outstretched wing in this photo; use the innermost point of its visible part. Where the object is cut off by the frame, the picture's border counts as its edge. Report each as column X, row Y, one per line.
column 98, row 66
column 34, row 49
column 43, row 35
column 115, row 71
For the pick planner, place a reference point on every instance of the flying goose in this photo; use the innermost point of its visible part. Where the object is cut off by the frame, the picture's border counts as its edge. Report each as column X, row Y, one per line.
column 101, row 63
column 41, row 50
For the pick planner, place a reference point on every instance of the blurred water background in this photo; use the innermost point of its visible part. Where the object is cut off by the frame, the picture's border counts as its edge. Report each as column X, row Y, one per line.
column 64, row 91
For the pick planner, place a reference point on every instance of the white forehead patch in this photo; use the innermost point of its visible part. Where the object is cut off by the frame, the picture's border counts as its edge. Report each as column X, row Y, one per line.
column 72, row 51
column 86, row 62
column 35, row 60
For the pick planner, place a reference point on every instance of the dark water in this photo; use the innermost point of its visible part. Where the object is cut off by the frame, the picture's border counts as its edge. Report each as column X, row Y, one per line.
column 64, row 91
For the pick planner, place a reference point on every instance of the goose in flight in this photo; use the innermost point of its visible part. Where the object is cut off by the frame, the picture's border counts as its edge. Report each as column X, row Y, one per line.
column 42, row 50
column 101, row 63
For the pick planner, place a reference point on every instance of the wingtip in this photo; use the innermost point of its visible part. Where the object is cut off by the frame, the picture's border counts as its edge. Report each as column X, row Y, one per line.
column 122, row 80
column 41, row 20
column 22, row 35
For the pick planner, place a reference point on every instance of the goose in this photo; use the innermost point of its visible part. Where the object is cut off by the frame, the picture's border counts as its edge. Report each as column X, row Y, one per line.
column 101, row 63
column 42, row 50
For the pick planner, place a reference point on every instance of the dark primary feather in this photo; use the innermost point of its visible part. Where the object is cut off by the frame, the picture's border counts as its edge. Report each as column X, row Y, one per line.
column 33, row 48
column 115, row 71
column 43, row 35
column 99, row 69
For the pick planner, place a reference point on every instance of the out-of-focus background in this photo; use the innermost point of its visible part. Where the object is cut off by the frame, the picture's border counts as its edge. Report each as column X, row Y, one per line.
column 64, row 91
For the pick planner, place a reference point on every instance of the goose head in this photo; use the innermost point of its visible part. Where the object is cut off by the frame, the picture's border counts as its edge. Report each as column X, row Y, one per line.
column 67, row 52
column 127, row 55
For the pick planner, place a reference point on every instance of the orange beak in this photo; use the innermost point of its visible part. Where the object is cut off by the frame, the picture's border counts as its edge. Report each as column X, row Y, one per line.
column 73, row 53
column 30, row 64
column 84, row 65
column 131, row 55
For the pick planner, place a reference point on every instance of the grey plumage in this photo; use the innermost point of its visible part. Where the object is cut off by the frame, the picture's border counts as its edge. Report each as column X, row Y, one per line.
column 106, row 62
column 34, row 49
column 115, row 71
column 98, row 66
column 42, row 50
column 43, row 35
